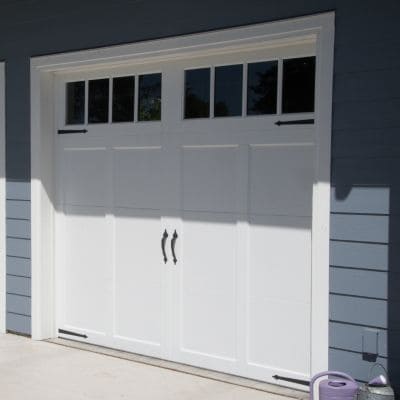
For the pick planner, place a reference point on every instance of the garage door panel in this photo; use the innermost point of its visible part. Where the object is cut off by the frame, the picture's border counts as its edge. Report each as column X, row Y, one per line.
column 138, row 177
column 280, row 257
column 279, row 292
column 279, row 335
column 208, row 271
column 87, row 271
column 280, row 179
column 233, row 194
column 210, row 178
column 140, row 292
column 85, row 171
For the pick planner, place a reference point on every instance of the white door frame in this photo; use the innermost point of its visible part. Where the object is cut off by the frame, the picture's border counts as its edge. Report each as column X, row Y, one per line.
column 2, row 199
column 318, row 28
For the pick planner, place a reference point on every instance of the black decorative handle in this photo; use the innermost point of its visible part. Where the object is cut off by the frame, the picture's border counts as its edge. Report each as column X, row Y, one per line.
column 163, row 240
column 173, row 241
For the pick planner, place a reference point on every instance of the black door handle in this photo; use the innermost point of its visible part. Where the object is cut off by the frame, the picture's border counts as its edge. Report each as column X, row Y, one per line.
column 163, row 240
column 173, row 241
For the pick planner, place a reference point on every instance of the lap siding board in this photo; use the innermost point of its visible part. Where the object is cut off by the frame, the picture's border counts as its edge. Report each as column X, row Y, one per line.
column 18, row 231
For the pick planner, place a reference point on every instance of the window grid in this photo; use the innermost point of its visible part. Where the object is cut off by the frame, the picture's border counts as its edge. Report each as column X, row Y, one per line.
column 110, row 99
column 212, row 92
column 279, row 89
column 244, row 104
column 244, row 90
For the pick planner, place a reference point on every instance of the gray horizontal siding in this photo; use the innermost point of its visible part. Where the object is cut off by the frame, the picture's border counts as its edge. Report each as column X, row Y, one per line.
column 367, row 143
column 18, row 191
column 19, row 209
column 360, row 228
column 18, row 247
column 18, row 229
column 361, row 59
column 20, row 285
column 352, row 362
column 361, row 239
column 19, row 266
column 350, row 172
column 359, row 255
column 19, row 304
column 351, row 86
column 362, row 199
column 362, row 277
column 346, row 337
column 362, row 283
column 369, row 114
column 18, row 323
column 362, row 311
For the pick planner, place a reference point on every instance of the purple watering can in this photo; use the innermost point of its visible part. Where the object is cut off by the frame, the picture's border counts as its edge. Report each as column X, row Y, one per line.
column 345, row 388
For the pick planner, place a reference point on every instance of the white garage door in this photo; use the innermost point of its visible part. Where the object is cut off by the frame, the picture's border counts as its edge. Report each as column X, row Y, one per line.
column 184, row 210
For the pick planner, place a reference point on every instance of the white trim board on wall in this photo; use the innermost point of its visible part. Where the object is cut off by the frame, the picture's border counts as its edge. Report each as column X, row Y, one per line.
column 2, row 201
column 318, row 28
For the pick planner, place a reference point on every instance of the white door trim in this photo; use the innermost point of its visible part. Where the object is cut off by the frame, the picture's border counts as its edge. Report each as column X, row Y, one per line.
column 317, row 28
column 2, row 200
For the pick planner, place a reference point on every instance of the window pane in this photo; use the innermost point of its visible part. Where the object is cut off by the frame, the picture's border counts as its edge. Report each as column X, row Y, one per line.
column 98, row 101
column 75, row 112
column 123, row 99
column 197, row 93
column 262, row 87
column 228, row 91
column 150, row 97
column 298, row 85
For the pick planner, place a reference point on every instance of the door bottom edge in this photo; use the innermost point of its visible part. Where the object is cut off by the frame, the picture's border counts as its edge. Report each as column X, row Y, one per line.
column 184, row 368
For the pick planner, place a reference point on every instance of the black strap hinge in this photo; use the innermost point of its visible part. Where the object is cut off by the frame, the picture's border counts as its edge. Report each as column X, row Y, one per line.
column 295, row 122
column 65, row 332
column 292, row 380
column 71, row 131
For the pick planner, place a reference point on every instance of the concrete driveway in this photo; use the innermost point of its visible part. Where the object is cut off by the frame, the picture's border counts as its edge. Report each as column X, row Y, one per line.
column 40, row 370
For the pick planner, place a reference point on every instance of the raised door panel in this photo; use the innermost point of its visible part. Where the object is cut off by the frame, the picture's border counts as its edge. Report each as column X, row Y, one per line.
column 206, row 271
column 207, row 302
column 87, row 271
column 84, row 252
column 140, row 286
column 140, row 282
column 209, row 180
column 279, row 294
column 85, row 176
column 138, row 173
column 281, row 179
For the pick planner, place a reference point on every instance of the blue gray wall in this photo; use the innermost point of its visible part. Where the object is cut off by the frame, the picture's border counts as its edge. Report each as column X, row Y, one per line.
column 365, row 256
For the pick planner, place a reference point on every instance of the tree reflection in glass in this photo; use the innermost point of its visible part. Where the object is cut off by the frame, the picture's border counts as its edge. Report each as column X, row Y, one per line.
column 228, row 91
column 197, row 93
column 98, row 101
column 75, row 103
column 262, row 87
column 149, row 97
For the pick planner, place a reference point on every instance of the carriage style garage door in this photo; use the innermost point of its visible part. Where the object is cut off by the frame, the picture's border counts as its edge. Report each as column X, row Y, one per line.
column 184, row 208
